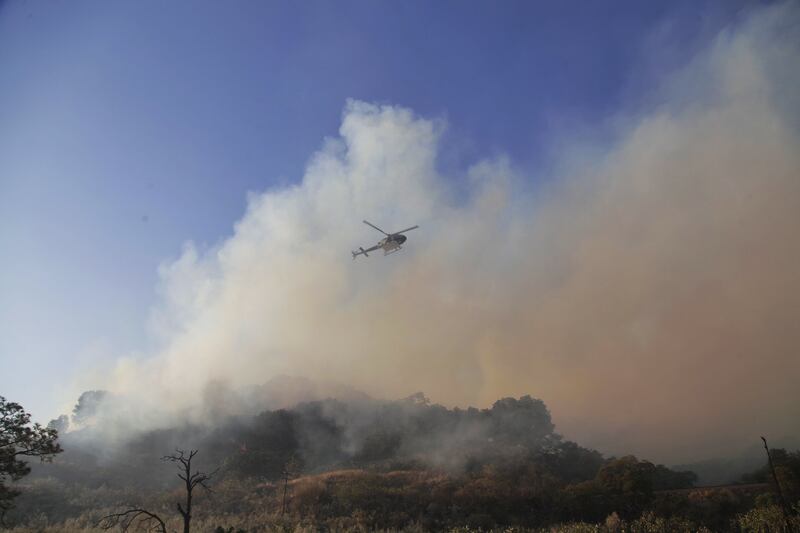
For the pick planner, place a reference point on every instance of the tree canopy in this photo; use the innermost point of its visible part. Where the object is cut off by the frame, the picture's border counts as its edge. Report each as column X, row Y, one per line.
column 20, row 439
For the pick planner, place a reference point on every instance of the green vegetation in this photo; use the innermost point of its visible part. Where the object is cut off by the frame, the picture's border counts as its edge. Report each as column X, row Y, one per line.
column 19, row 440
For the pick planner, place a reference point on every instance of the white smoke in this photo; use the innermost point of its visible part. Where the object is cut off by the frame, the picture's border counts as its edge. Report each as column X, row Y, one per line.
column 650, row 297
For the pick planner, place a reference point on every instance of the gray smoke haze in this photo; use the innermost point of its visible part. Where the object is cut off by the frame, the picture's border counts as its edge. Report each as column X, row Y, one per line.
column 650, row 296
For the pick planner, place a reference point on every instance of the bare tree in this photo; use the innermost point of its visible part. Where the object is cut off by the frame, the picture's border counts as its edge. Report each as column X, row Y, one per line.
column 151, row 521
column 784, row 507
column 191, row 480
column 290, row 470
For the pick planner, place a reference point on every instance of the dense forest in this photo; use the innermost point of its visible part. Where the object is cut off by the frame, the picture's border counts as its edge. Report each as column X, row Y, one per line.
column 364, row 464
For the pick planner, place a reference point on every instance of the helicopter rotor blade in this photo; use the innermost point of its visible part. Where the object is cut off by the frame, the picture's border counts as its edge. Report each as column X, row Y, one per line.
column 376, row 227
column 405, row 230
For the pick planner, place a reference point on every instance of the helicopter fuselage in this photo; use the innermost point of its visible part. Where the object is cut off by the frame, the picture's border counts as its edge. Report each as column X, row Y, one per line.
column 392, row 241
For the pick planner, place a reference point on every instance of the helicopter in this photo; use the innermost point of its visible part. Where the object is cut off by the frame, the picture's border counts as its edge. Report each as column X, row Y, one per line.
column 391, row 244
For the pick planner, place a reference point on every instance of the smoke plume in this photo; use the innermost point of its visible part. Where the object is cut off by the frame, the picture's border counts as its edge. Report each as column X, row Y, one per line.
column 649, row 294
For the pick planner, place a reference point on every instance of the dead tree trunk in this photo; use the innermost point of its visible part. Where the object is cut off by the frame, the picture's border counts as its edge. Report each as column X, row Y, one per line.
column 784, row 506
column 290, row 470
column 191, row 480
column 153, row 522
column 285, row 486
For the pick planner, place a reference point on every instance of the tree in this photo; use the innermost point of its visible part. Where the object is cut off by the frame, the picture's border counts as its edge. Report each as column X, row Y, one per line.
column 290, row 470
column 627, row 475
column 87, row 406
column 19, row 439
column 125, row 519
column 623, row 485
column 60, row 424
column 667, row 479
column 191, row 480
column 150, row 520
column 781, row 498
column 525, row 421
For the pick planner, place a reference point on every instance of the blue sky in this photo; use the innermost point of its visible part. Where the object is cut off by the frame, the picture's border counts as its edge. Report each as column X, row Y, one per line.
column 128, row 128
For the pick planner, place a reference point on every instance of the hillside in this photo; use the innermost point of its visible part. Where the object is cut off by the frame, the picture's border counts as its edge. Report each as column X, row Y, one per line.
column 363, row 463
